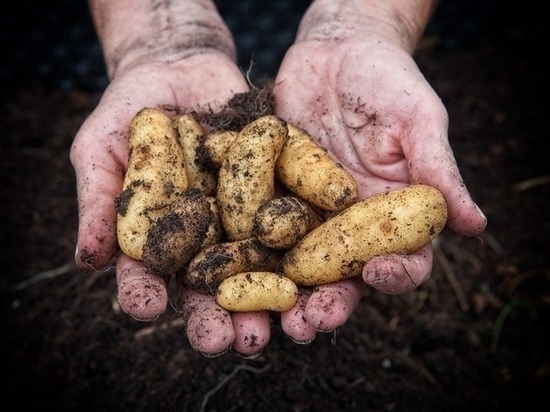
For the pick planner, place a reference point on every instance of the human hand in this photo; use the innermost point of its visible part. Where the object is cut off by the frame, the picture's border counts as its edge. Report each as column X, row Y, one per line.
column 99, row 156
column 365, row 100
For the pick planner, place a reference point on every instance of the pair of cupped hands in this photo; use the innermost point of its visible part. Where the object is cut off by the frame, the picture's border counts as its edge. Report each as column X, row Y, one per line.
column 366, row 102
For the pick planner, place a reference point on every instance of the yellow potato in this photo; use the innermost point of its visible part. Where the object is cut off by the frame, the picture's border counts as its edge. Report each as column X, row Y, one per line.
column 213, row 148
column 247, row 176
column 309, row 171
column 175, row 237
column 213, row 264
column 281, row 222
column 256, row 291
column 190, row 134
column 154, row 179
column 398, row 221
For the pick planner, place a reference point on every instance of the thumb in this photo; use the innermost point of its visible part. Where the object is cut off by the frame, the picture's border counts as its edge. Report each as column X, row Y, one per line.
column 432, row 162
column 394, row 274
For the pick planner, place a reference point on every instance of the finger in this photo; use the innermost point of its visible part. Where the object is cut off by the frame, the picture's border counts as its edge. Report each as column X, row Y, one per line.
column 141, row 293
column 393, row 274
column 208, row 327
column 432, row 162
column 465, row 216
column 96, row 241
column 294, row 323
column 331, row 305
column 99, row 174
column 252, row 332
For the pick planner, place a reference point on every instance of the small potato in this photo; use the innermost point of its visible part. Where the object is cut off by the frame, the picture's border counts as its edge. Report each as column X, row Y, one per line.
column 281, row 222
column 154, row 179
column 398, row 221
column 174, row 238
column 309, row 171
column 190, row 134
column 213, row 148
column 247, row 176
column 213, row 264
column 256, row 291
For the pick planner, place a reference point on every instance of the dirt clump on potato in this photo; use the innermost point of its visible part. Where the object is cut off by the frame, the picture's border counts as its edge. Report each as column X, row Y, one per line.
column 175, row 237
column 123, row 200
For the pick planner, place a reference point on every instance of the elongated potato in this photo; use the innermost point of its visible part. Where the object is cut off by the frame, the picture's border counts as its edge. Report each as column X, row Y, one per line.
column 154, row 179
column 190, row 134
column 256, row 291
column 399, row 221
column 175, row 237
column 309, row 171
column 281, row 222
column 247, row 176
column 213, row 264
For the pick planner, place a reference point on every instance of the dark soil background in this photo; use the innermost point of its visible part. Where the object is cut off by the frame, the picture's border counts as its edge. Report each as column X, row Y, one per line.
column 475, row 337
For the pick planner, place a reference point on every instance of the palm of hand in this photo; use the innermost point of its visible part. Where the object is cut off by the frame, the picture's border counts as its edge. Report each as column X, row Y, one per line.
column 366, row 108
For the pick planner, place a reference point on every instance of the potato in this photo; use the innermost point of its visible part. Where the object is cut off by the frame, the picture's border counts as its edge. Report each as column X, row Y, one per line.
column 256, row 291
column 309, row 171
column 215, row 232
column 247, row 176
column 154, row 179
column 398, row 221
column 213, row 148
column 190, row 134
column 213, row 264
column 175, row 238
column 281, row 222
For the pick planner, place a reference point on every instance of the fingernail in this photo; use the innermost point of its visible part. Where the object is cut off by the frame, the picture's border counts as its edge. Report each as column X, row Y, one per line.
column 252, row 356
column 390, row 281
column 480, row 212
column 213, row 355
column 386, row 281
column 303, row 342
column 325, row 330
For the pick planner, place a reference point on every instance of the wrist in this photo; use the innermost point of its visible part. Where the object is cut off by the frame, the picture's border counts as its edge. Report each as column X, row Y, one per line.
column 136, row 32
column 399, row 22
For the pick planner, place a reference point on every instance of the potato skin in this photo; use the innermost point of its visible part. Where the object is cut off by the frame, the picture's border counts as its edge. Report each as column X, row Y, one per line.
column 213, row 148
column 247, row 176
column 154, row 179
column 175, row 237
column 256, row 291
column 215, row 231
column 398, row 221
column 209, row 267
column 309, row 171
column 281, row 222
column 190, row 135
